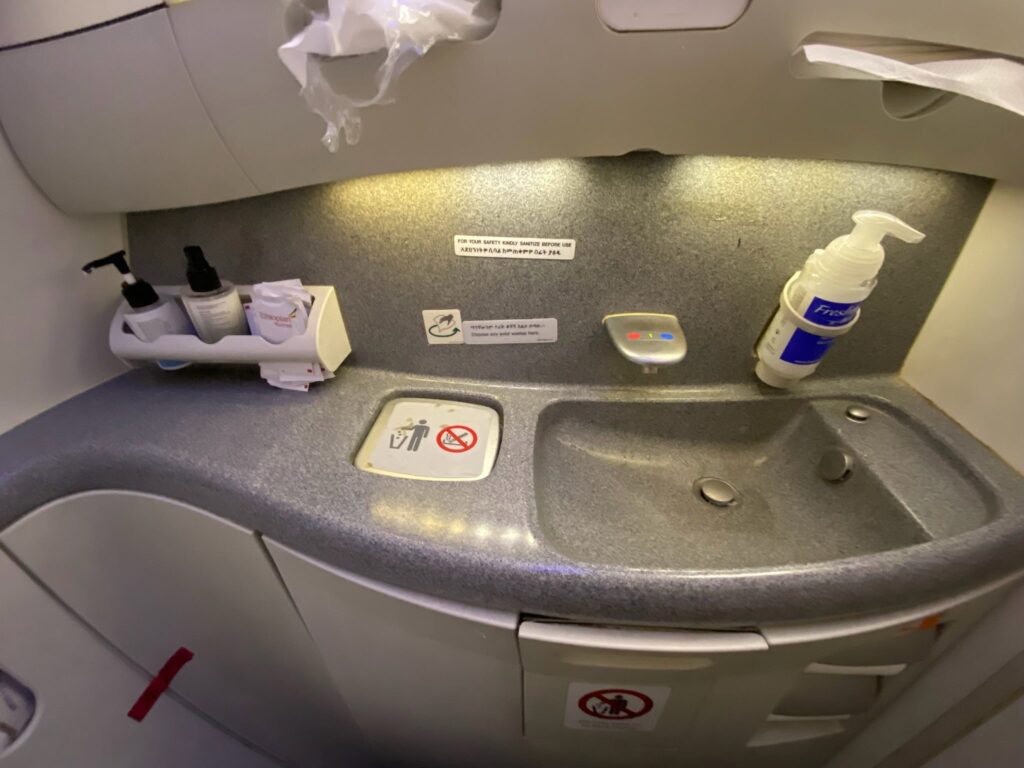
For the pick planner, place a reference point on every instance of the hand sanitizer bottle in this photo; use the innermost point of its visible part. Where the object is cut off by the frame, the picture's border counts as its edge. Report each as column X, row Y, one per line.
column 827, row 292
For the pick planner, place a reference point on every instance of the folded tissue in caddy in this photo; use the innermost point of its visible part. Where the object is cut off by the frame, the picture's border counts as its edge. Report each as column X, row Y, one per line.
column 277, row 311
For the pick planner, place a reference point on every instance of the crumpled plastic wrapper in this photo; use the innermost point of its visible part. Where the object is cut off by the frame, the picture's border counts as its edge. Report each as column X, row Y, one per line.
column 405, row 29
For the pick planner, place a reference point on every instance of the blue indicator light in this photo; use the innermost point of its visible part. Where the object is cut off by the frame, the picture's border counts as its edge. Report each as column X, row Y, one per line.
column 667, row 336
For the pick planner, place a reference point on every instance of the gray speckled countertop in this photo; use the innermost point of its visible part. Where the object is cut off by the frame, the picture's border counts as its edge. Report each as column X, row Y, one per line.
column 281, row 463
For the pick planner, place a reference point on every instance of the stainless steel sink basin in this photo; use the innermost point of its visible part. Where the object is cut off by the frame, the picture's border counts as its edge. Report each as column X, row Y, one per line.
column 627, row 483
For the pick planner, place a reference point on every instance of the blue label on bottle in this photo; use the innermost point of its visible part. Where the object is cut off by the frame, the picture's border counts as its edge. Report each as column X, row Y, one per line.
column 173, row 365
column 806, row 348
column 830, row 312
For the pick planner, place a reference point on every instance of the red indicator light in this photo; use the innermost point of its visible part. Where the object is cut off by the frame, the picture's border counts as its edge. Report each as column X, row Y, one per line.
column 633, row 335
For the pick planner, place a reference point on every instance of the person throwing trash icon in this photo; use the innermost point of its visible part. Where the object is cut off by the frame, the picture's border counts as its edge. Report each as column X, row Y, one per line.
column 417, row 433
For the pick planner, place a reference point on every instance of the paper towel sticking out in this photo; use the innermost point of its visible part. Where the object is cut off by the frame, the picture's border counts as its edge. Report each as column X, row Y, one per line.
column 406, row 29
column 975, row 74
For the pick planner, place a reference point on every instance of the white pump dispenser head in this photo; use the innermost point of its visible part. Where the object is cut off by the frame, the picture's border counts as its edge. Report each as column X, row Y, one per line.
column 858, row 256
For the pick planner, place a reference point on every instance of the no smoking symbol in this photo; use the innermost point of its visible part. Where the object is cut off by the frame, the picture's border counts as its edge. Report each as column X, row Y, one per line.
column 615, row 704
column 456, row 439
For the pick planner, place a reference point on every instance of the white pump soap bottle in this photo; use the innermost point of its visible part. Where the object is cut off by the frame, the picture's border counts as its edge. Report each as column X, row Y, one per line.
column 822, row 301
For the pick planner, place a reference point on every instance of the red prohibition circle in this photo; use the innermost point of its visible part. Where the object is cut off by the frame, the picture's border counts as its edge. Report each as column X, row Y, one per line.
column 646, row 704
column 464, row 439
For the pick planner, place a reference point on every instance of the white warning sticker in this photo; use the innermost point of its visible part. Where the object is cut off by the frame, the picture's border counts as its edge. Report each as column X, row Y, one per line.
column 535, row 331
column 488, row 246
column 431, row 439
column 606, row 707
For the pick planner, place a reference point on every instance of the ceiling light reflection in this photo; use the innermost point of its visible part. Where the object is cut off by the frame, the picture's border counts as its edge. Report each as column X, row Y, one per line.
column 442, row 525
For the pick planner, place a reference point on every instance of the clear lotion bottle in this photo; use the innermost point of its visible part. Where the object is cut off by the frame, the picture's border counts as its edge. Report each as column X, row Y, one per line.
column 214, row 306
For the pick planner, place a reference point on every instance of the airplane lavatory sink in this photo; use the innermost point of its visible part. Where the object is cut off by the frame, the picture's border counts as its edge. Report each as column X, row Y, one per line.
column 741, row 484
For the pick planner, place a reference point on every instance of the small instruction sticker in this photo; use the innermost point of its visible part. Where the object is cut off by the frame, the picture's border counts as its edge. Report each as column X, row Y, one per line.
column 443, row 326
column 536, row 331
column 488, row 246
column 603, row 707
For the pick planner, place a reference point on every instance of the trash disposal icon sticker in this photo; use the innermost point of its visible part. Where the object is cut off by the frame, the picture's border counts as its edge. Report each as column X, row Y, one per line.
column 592, row 706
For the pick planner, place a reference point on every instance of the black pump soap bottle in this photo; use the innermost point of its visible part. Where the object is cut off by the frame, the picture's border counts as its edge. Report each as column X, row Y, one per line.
column 152, row 316
column 214, row 305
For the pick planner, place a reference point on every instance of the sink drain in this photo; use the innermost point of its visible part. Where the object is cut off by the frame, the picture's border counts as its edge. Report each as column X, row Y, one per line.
column 716, row 492
column 858, row 413
column 835, row 465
